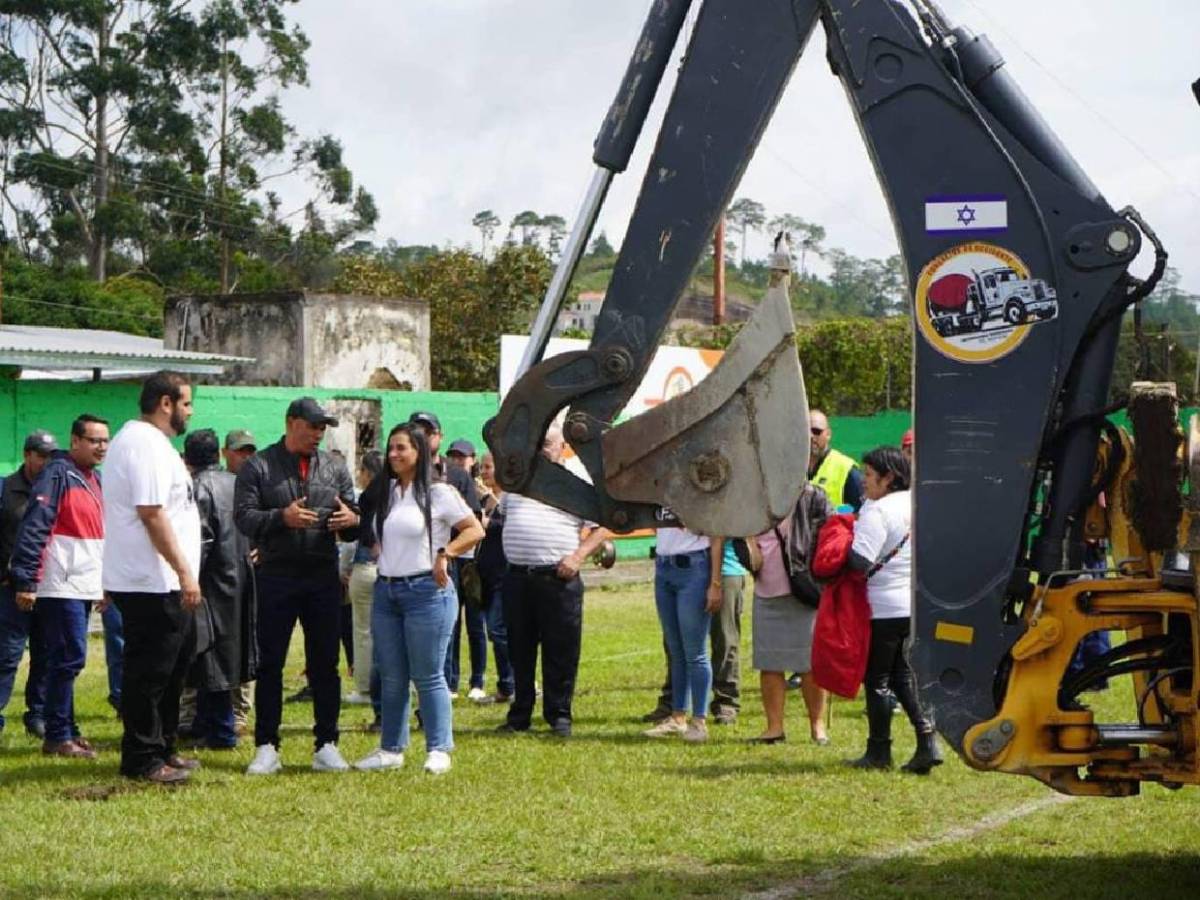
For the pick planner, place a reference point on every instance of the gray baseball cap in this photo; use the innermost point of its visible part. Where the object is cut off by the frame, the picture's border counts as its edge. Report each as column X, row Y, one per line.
column 240, row 439
column 42, row 442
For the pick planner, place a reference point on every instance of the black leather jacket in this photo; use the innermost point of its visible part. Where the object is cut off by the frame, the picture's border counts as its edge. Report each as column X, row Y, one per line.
column 270, row 481
column 13, row 500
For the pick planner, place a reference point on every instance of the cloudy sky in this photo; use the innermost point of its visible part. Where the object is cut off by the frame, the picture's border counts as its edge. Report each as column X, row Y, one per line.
column 447, row 107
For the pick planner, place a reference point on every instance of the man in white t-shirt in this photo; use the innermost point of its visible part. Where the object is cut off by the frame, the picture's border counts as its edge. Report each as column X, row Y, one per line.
column 150, row 569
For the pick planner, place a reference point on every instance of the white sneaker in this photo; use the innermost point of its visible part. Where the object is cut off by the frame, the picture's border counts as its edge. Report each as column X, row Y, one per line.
column 668, row 727
column 437, row 762
column 357, row 699
column 266, row 761
column 379, row 759
column 697, row 731
column 329, row 759
column 478, row 695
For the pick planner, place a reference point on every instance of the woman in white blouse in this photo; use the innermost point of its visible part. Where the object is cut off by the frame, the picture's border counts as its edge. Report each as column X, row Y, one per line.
column 408, row 517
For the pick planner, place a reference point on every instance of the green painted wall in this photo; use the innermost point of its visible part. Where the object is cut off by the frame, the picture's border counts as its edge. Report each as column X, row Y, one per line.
column 28, row 405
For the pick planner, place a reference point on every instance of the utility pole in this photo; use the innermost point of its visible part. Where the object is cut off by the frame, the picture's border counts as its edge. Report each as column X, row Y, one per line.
column 719, row 272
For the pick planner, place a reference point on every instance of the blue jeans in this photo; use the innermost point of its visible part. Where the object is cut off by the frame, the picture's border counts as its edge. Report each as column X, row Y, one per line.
column 114, row 652
column 411, row 622
column 63, row 623
column 214, row 718
column 679, row 597
column 498, row 634
column 17, row 628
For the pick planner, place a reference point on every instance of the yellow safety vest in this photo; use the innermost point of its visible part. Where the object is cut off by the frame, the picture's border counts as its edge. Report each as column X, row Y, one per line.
column 832, row 474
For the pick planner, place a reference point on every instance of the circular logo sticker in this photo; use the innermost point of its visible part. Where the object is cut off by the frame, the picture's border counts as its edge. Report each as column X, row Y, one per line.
column 976, row 302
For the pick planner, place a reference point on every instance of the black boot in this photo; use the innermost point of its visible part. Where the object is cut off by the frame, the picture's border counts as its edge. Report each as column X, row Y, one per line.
column 879, row 740
column 878, row 756
column 927, row 756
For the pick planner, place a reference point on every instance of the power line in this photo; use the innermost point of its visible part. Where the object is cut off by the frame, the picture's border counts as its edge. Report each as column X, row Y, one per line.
column 1108, row 123
column 82, row 309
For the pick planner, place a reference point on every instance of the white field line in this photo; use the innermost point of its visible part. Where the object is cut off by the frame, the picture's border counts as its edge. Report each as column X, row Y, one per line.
column 826, row 879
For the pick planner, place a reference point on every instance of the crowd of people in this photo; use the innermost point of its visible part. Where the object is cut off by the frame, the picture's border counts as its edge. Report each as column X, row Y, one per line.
column 201, row 574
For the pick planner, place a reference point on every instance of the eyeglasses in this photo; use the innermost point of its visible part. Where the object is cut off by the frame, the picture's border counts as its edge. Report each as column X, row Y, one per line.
column 95, row 442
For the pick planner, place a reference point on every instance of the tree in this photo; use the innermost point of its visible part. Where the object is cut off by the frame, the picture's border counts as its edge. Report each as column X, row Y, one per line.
column 745, row 214
column 83, row 88
column 148, row 130
column 471, row 303
column 529, row 222
column 487, row 222
column 601, row 246
column 556, row 230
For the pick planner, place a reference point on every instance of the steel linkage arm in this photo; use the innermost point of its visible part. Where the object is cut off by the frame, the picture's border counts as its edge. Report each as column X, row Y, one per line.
column 736, row 67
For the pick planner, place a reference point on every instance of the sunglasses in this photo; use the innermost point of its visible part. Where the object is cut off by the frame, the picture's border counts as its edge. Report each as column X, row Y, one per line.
column 817, row 432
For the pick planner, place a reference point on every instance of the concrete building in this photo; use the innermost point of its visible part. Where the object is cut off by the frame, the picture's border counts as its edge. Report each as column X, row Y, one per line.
column 581, row 314
column 307, row 340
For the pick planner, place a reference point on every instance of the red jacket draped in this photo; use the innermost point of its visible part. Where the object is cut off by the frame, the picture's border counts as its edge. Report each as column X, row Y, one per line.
column 842, row 635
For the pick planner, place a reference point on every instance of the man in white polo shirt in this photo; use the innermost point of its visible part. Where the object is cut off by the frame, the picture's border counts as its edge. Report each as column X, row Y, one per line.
column 543, row 600
column 150, row 569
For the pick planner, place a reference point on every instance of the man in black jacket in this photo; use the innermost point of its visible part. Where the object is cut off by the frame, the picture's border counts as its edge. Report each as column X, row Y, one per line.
column 226, row 652
column 17, row 625
column 291, row 500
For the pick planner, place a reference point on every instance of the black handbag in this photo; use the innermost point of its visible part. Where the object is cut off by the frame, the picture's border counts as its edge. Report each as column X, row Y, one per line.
column 800, row 580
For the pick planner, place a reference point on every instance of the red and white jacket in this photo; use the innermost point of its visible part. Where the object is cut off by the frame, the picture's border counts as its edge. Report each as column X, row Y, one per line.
column 60, row 542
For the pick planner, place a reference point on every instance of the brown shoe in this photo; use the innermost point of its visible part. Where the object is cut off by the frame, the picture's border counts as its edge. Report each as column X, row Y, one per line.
column 165, row 774
column 69, row 749
column 186, row 763
column 241, row 729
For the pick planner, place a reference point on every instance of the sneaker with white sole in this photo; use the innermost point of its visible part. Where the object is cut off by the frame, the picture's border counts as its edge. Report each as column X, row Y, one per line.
column 477, row 695
column 356, row 699
column 437, row 762
column 379, row 759
column 329, row 759
column 265, row 762
column 668, row 727
column 697, row 731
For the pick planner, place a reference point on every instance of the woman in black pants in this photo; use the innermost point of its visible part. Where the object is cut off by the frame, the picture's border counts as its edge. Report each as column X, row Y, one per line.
column 882, row 549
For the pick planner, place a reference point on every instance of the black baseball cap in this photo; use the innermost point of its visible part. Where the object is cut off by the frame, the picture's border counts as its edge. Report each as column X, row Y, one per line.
column 42, row 442
column 427, row 419
column 310, row 411
column 461, row 447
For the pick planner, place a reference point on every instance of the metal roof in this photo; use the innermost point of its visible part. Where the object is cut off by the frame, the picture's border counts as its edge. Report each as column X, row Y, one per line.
column 43, row 347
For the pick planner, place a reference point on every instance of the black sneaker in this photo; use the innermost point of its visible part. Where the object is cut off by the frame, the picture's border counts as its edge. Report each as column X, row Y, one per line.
column 35, row 727
column 304, row 695
column 561, row 728
column 510, row 728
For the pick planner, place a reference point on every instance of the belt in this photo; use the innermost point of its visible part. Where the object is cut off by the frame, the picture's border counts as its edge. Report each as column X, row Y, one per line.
column 404, row 579
column 684, row 560
column 533, row 570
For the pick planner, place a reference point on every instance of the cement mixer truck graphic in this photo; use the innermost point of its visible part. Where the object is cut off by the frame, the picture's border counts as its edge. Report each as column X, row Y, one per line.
column 961, row 304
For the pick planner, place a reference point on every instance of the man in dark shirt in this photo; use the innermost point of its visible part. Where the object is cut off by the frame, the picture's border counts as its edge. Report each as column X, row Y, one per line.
column 16, row 625
column 292, row 500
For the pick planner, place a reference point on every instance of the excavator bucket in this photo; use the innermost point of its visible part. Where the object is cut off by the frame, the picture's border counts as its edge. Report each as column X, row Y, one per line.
column 730, row 456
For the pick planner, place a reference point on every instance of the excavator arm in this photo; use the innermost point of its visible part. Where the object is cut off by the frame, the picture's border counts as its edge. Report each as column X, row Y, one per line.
column 1018, row 273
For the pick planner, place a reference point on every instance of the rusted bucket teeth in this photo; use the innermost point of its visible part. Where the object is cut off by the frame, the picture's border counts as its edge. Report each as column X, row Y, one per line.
column 730, row 456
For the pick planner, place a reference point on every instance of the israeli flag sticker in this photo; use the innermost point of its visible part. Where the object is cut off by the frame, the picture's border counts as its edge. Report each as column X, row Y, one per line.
column 974, row 213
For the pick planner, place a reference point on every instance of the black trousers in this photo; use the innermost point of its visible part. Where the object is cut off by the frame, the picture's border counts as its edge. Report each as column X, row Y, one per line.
column 159, row 645
column 316, row 602
column 543, row 610
column 888, row 669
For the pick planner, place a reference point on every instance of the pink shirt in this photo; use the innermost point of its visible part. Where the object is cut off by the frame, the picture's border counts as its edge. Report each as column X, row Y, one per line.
column 771, row 580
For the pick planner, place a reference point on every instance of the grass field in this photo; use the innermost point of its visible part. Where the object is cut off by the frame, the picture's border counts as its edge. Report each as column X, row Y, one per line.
column 605, row 814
